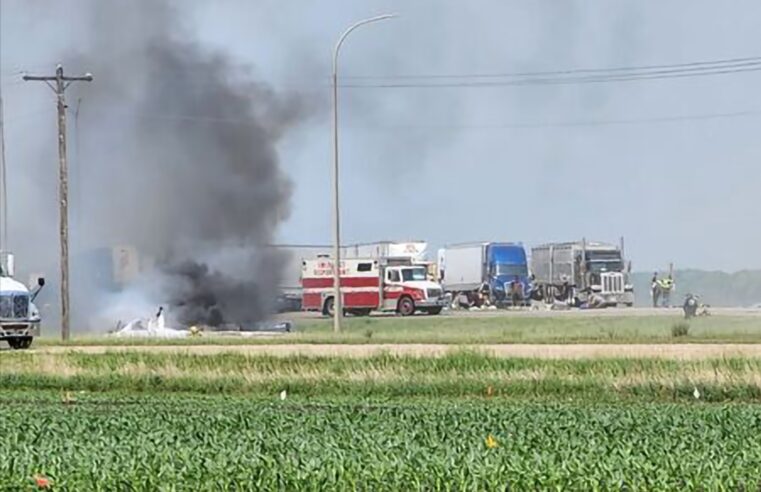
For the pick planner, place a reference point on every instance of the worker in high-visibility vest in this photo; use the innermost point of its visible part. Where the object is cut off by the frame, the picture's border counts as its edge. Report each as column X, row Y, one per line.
column 666, row 286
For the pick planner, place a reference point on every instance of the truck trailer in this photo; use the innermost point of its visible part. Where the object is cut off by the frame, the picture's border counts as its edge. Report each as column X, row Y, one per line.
column 415, row 251
column 582, row 273
column 497, row 270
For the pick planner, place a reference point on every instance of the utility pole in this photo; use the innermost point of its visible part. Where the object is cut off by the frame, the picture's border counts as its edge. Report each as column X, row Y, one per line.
column 61, row 84
column 77, row 182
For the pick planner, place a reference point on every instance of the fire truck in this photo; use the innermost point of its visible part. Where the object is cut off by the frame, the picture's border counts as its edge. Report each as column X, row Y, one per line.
column 370, row 284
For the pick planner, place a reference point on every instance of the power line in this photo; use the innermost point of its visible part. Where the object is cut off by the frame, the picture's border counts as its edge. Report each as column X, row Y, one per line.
column 654, row 75
column 706, row 64
column 550, row 77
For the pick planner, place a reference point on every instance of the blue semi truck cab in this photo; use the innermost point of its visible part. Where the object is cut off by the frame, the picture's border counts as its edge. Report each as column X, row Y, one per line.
column 498, row 270
column 507, row 272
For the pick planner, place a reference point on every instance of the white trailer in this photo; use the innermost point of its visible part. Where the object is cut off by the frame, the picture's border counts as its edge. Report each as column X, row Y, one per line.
column 414, row 251
column 463, row 266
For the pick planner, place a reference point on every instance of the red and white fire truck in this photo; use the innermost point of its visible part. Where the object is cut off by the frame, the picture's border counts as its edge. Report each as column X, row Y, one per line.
column 370, row 284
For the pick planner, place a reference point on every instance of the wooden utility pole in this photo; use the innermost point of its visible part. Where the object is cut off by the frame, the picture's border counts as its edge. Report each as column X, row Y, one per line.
column 61, row 83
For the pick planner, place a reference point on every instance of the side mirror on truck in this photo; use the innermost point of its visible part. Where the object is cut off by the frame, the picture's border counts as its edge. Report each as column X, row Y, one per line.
column 36, row 291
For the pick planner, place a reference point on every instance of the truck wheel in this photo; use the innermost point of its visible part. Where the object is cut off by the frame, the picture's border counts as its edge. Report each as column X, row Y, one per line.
column 20, row 343
column 406, row 306
column 433, row 311
column 329, row 308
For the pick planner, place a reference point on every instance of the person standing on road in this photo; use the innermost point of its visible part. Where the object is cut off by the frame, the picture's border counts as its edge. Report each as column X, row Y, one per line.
column 655, row 291
column 516, row 292
column 667, row 287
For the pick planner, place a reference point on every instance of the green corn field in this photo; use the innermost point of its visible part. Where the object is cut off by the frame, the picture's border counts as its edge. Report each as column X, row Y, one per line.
column 466, row 420
column 182, row 442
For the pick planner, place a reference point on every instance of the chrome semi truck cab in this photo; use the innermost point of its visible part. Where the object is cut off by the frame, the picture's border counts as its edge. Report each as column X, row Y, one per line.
column 19, row 317
column 583, row 272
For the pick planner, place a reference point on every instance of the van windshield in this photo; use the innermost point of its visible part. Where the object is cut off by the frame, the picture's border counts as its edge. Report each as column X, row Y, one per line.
column 412, row 274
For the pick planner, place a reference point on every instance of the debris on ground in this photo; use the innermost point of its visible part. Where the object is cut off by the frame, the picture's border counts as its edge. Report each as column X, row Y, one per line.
column 153, row 327
column 268, row 326
column 559, row 306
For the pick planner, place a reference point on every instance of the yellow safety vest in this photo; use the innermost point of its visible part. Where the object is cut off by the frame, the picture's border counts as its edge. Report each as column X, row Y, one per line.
column 667, row 284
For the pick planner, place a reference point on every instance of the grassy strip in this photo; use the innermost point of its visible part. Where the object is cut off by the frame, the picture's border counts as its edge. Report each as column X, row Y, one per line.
column 457, row 375
column 550, row 389
column 481, row 330
column 180, row 443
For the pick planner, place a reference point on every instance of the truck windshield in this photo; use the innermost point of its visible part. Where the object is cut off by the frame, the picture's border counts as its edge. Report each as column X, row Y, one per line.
column 604, row 261
column 504, row 269
column 599, row 266
column 411, row 274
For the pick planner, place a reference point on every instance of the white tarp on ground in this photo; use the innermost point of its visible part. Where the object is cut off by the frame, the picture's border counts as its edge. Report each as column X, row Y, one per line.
column 150, row 328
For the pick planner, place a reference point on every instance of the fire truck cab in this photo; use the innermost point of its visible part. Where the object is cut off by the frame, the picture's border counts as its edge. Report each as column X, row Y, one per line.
column 370, row 284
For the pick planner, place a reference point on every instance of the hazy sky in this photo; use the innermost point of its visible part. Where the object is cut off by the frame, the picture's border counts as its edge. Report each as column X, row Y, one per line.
column 464, row 163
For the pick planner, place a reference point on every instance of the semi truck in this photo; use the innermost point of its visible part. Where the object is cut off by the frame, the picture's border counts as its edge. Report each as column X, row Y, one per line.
column 19, row 317
column 370, row 284
column 495, row 270
column 582, row 272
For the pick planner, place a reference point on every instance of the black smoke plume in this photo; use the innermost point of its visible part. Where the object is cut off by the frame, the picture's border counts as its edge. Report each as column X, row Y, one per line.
column 182, row 161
